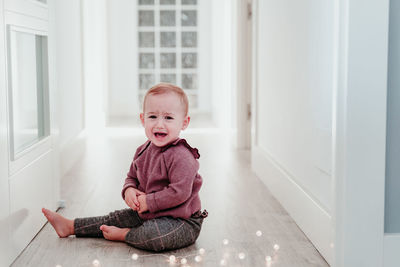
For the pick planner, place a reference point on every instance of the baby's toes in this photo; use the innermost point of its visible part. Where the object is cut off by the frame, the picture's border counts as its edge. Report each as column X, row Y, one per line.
column 106, row 235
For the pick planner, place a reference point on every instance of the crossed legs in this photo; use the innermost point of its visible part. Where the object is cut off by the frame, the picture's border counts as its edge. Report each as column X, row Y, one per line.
column 163, row 233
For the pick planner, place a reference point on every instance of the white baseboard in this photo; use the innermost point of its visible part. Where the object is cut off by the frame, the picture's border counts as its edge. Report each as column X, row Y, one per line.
column 391, row 248
column 71, row 152
column 312, row 219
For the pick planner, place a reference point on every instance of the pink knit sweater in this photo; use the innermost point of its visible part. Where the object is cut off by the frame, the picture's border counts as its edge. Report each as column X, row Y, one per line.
column 169, row 177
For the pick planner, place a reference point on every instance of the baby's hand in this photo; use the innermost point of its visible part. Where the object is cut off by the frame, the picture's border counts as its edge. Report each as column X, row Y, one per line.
column 142, row 203
column 131, row 198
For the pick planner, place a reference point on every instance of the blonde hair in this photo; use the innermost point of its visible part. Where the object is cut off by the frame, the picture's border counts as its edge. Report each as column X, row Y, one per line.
column 164, row 88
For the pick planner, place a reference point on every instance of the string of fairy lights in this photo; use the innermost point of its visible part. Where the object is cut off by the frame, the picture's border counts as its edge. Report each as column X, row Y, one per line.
column 198, row 257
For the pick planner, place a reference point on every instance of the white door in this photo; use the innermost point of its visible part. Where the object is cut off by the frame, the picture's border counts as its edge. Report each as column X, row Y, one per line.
column 29, row 169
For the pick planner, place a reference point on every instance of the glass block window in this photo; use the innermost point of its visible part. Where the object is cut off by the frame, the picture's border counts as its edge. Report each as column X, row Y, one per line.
column 146, row 2
column 168, row 45
column 146, row 39
column 146, row 18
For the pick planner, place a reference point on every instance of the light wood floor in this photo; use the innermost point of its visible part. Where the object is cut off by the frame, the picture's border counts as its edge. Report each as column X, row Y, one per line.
column 238, row 203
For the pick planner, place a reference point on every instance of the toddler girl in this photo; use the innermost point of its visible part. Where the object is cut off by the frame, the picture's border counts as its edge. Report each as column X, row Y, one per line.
column 161, row 188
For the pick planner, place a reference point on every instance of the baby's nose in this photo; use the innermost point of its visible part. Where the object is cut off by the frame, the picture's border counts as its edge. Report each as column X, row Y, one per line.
column 160, row 122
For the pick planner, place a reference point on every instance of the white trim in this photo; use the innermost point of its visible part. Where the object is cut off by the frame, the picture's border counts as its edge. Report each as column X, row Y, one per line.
column 23, row 21
column 24, row 158
column 28, row 30
column 311, row 217
column 31, row 8
column 30, row 154
column 54, row 99
column 5, row 248
column 83, row 63
column 391, row 250
column 39, row 3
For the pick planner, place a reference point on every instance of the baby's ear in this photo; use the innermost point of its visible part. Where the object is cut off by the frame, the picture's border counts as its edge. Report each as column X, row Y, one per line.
column 185, row 122
column 142, row 118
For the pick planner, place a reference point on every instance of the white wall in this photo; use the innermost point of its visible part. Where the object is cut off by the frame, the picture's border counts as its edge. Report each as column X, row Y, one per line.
column 295, row 91
column 95, row 58
column 205, row 42
column 223, row 63
column 69, row 80
column 69, row 68
column 123, row 59
column 293, row 98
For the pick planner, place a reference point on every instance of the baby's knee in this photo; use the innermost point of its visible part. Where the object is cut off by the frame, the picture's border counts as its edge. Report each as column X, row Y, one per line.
column 162, row 239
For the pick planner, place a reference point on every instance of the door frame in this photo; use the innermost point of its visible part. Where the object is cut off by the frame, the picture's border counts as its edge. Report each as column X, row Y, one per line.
column 359, row 131
column 244, row 65
column 5, row 256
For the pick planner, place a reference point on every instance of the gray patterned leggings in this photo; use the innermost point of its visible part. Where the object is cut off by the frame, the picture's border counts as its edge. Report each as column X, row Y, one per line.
column 163, row 233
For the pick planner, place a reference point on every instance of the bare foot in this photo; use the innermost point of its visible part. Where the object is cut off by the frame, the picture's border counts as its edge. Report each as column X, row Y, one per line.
column 114, row 233
column 63, row 226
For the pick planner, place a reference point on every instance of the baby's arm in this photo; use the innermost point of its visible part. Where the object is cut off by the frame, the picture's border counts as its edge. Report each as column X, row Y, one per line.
column 129, row 190
column 142, row 203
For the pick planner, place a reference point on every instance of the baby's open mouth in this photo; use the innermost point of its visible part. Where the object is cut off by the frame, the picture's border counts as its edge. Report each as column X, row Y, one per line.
column 160, row 134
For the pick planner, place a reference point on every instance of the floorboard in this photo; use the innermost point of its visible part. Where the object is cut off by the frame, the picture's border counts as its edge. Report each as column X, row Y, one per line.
column 238, row 203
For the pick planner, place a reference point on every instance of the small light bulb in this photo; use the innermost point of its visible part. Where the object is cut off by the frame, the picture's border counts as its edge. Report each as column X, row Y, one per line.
column 332, row 245
column 183, row 261
column 242, row 255
column 135, row 256
column 268, row 258
column 172, row 259
column 222, row 262
column 96, row 263
column 258, row 233
column 58, row 265
column 276, row 247
column 198, row 258
column 202, row 251
column 225, row 241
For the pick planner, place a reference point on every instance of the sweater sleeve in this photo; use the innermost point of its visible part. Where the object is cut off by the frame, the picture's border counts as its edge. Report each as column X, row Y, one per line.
column 182, row 170
column 131, row 180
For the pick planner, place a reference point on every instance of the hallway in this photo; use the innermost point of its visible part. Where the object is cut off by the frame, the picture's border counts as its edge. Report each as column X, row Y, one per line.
column 239, row 205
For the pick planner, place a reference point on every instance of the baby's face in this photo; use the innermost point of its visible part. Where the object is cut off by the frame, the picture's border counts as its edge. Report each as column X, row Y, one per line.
column 163, row 118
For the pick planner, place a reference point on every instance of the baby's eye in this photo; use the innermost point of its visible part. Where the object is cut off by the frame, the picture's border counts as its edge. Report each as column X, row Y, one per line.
column 152, row 117
column 169, row 118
